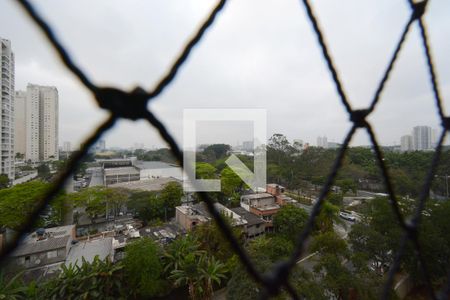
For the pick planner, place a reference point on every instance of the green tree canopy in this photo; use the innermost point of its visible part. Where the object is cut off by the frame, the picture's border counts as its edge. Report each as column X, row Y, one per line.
column 19, row 201
column 171, row 196
column 4, row 181
column 144, row 269
column 205, row 170
column 289, row 221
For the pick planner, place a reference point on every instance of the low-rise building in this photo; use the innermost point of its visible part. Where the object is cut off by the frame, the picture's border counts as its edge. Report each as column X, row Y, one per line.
column 158, row 169
column 120, row 174
column 189, row 216
column 277, row 191
column 255, row 226
column 89, row 249
column 262, row 205
column 43, row 248
column 266, row 204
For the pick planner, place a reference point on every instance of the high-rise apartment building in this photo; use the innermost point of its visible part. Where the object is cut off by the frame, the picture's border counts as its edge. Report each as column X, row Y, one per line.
column 322, row 142
column 7, row 106
column 41, row 122
column 20, row 119
column 67, row 147
column 406, row 143
column 421, row 138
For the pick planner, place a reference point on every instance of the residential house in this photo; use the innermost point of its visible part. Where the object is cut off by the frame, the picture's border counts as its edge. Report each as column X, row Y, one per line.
column 262, row 205
column 189, row 216
column 255, row 226
column 43, row 248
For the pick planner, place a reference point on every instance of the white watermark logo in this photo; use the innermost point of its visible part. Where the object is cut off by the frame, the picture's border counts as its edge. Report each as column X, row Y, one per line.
column 255, row 179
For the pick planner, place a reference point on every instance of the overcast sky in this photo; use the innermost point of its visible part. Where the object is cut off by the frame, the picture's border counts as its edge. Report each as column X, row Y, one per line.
column 258, row 54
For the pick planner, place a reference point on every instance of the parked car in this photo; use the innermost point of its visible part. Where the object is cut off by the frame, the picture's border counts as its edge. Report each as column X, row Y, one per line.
column 347, row 216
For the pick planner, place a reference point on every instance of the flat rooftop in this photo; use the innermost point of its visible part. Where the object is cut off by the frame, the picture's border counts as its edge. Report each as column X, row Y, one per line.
column 268, row 207
column 251, row 218
column 150, row 185
column 257, row 196
column 89, row 249
column 141, row 164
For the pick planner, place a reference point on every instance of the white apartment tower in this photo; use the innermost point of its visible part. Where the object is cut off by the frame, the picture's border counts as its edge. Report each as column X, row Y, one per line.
column 41, row 122
column 322, row 142
column 7, row 106
column 406, row 143
column 421, row 138
column 67, row 147
column 20, row 118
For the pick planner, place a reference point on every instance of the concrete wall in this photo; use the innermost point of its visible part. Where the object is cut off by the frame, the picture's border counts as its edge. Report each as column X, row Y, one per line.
column 255, row 230
column 40, row 259
column 25, row 178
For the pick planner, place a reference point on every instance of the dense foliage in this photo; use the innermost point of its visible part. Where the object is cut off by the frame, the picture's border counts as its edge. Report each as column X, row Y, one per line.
column 19, row 201
column 144, row 269
column 291, row 167
column 376, row 239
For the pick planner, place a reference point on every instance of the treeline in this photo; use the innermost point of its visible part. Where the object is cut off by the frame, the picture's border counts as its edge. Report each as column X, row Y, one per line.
column 291, row 167
column 297, row 168
column 19, row 202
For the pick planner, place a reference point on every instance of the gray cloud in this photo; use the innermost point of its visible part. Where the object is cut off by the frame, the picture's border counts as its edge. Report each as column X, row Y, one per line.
column 259, row 54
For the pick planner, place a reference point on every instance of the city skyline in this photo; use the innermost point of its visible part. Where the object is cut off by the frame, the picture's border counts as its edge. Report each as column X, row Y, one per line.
column 260, row 75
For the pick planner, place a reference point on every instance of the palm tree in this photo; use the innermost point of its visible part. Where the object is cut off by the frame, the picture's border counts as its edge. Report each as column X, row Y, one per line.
column 179, row 250
column 188, row 274
column 199, row 273
column 328, row 215
column 213, row 271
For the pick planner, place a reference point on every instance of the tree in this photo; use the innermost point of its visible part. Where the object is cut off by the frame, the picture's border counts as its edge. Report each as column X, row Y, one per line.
column 335, row 198
column 19, row 201
column 333, row 273
column 98, row 279
column 279, row 149
column 265, row 251
column 148, row 206
column 241, row 285
column 273, row 248
column 4, row 181
column 212, row 240
column 116, row 198
column 93, row 199
column 279, row 142
column 289, row 221
column 43, row 171
column 217, row 151
column 99, row 200
column 178, row 250
column 199, row 273
column 347, row 185
column 144, row 269
column 377, row 236
column 329, row 214
column 171, row 196
column 230, row 182
column 205, row 170
column 187, row 263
